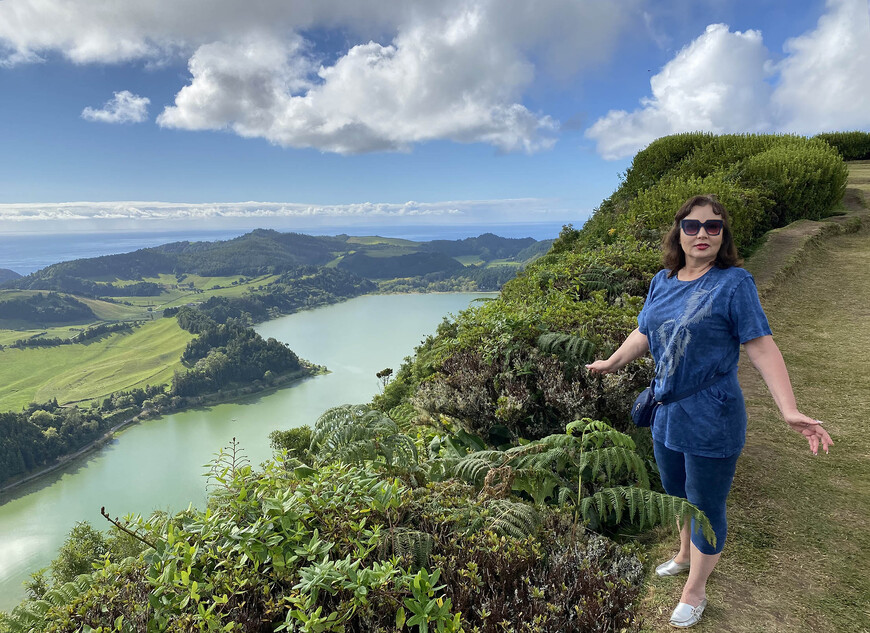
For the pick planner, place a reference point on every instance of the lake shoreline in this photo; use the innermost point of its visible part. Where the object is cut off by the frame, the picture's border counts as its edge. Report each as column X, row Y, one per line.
column 239, row 394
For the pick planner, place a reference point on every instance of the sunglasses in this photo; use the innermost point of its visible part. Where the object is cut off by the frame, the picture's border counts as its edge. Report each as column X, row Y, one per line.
column 692, row 227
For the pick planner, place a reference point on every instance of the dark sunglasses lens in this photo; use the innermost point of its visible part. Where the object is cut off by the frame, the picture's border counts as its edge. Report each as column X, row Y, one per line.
column 691, row 227
column 713, row 227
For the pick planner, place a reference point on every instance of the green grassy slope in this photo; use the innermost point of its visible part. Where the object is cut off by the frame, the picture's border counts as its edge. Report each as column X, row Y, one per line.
column 72, row 373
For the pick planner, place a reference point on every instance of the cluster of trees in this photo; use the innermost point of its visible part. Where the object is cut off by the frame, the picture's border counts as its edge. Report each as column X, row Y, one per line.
column 57, row 280
column 226, row 353
column 88, row 334
column 41, row 433
column 302, row 288
column 46, row 308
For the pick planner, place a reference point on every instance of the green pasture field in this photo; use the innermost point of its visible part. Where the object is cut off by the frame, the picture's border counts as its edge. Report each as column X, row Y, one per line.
column 9, row 333
column 81, row 372
column 469, row 260
column 175, row 296
column 503, row 262
column 370, row 240
column 110, row 311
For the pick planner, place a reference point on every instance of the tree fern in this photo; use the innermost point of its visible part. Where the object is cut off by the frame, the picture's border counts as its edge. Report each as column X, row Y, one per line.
column 585, row 467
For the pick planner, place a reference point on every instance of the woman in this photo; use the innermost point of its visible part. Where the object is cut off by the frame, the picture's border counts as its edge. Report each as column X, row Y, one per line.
column 698, row 312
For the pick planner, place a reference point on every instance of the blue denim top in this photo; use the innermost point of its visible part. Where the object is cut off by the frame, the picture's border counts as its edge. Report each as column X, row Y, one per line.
column 695, row 329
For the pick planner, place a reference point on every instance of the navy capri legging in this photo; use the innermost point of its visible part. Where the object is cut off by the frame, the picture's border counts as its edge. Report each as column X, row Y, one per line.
column 705, row 482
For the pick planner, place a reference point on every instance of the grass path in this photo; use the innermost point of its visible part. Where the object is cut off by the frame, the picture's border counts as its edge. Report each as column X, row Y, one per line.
column 798, row 552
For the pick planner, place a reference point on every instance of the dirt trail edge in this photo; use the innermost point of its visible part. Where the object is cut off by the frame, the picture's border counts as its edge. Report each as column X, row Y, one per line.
column 798, row 551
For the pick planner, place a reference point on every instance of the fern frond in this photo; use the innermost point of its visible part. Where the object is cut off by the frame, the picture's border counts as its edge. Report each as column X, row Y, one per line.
column 510, row 518
column 573, row 349
column 566, row 496
column 407, row 543
column 403, row 415
column 472, row 469
column 646, row 509
column 357, row 433
column 28, row 617
column 614, row 459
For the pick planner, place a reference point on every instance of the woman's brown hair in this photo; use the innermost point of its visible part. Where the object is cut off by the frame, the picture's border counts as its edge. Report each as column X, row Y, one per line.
column 673, row 256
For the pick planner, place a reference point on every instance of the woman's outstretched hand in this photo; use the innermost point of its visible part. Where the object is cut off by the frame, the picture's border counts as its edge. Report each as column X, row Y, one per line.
column 601, row 367
column 811, row 429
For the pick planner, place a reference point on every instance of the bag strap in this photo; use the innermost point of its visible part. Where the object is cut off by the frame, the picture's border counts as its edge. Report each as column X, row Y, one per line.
column 691, row 392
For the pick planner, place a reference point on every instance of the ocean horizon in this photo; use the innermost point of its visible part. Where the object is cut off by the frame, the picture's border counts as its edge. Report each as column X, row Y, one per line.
column 26, row 253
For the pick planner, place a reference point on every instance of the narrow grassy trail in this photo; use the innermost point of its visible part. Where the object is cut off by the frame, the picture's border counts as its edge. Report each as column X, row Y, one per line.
column 798, row 552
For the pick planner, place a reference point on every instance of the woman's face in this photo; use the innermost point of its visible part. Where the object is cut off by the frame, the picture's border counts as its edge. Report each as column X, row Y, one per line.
column 701, row 248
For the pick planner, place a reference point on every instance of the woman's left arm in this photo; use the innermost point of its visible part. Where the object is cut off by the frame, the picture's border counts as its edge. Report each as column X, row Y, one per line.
column 766, row 357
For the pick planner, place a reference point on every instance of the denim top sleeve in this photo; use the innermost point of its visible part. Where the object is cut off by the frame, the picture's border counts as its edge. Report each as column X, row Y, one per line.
column 746, row 313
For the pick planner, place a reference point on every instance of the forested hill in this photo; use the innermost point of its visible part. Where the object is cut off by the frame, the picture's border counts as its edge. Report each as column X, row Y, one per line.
column 267, row 252
column 7, row 275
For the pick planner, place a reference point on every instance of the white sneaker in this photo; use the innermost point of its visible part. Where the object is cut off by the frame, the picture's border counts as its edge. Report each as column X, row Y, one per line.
column 685, row 615
column 671, row 568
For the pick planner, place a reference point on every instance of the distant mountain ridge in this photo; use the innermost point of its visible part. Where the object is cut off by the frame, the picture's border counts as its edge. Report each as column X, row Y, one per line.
column 8, row 275
column 266, row 251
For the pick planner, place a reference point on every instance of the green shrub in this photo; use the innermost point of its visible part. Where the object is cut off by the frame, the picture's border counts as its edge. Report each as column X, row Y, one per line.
column 341, row 548
column 805, row 181
column 850, row 145
column 651, row 214
column 294, row 441
column 723, row 153
column 660, row 157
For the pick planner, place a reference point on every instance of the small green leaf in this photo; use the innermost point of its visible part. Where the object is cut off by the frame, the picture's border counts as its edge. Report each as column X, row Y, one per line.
column 400, row 618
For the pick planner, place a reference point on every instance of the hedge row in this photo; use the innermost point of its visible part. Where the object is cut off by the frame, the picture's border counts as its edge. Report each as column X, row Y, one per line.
column 850, row 145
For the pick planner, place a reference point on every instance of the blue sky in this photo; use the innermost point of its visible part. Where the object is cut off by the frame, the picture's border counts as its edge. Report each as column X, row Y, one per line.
column 283, row 113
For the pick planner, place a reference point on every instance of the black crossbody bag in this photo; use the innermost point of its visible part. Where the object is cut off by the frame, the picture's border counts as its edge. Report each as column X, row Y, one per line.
column 644, row 410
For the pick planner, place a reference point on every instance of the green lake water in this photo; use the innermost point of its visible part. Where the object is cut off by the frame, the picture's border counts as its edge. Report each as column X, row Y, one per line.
column 160, row 464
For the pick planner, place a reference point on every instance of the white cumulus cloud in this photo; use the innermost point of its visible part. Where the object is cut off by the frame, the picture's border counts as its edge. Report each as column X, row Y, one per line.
column 825, row 79
column 124, row 107
column 717, row 83
column 410, row 72
column 726, row 81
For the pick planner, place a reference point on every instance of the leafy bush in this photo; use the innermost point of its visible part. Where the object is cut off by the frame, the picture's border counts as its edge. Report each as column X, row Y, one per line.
column 805, row 181
column 850, row 145
column 659, row 158
column 340, row 548
column 295, row 441
column 651, row 214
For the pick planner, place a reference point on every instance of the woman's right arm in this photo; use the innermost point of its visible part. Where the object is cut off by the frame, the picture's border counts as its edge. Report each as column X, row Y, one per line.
column 635, row 346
